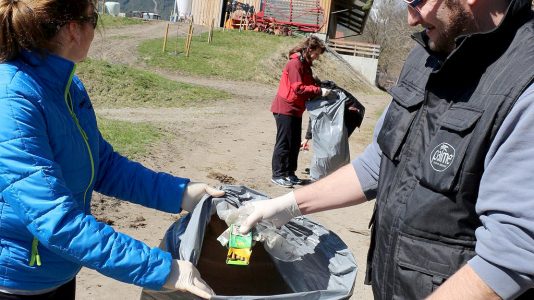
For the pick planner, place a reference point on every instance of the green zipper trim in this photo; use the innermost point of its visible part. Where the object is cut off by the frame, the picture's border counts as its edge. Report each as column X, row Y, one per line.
column 68, row 101
column 35, row 253
column 35, row 257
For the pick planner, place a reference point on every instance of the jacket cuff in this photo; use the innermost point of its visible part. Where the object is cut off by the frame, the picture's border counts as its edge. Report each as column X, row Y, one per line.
column 159, row 268
column 506, row 283
column 171, row 196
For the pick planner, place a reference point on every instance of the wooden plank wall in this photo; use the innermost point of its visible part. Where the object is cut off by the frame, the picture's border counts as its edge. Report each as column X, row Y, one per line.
column 327, row 6
column 204, row 11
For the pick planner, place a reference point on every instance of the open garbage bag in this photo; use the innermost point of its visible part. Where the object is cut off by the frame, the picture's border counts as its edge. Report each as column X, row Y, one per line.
column 303, row 260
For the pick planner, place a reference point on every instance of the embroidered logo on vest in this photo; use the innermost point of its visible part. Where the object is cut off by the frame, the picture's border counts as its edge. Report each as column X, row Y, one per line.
column 442, row 157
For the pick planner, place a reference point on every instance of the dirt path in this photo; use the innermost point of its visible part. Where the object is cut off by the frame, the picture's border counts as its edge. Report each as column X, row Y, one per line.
column 230, row 141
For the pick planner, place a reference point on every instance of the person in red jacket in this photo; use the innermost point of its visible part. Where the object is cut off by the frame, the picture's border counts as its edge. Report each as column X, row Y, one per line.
column 297, row 85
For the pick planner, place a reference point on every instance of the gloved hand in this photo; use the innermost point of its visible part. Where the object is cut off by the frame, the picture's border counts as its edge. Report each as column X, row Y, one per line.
column 325, row 92
column 194, row 193
column 185, row 277
column 277, row 211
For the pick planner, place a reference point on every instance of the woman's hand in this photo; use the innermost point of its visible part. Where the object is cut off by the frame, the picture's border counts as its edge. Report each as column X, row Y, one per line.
column 325, row 92
column 194, row 193
column 305, row 146
column 186, row 278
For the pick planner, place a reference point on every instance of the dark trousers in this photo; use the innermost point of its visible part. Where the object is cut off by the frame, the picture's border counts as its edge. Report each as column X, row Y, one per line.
column 64, row 292
column 286, row 149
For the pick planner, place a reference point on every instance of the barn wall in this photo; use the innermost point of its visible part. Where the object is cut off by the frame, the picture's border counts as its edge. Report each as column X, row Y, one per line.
column 327, row 6
column 204, row 11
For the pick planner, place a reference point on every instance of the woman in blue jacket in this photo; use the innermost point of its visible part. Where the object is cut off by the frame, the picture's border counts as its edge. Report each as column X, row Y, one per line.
column 52, row 157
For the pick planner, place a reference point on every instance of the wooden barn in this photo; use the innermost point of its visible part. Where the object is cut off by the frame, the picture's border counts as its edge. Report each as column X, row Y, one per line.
column 324, row 15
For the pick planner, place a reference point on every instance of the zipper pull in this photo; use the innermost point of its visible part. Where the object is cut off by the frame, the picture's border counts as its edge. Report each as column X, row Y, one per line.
column 35, row 257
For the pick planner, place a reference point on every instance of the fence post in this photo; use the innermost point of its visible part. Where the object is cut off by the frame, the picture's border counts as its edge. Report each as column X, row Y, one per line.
column 225, row 20
column 165, row 38
column 177, row 39
column 210, row 34
column 189, row 38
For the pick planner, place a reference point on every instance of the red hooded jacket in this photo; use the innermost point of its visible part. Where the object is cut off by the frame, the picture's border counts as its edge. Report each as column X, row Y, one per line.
column 296, row 87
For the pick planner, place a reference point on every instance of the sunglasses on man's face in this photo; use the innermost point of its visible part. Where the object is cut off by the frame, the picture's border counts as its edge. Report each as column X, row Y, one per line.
column 93, row 19
column 413, row 3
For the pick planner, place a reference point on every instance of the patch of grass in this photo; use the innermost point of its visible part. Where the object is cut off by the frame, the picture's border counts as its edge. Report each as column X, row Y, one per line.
column 232, row 54
column 247, row 55
column 108, row 21
column 111, row 85
column 132, row 140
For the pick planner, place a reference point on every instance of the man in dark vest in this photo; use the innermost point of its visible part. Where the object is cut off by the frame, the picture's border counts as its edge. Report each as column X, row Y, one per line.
column 451, row 161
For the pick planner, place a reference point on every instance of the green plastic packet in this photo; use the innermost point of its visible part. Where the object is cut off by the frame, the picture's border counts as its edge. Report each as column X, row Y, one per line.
column 239, row 247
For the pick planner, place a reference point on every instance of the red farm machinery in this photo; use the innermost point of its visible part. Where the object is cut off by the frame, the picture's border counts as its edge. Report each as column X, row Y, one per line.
column 276, row 16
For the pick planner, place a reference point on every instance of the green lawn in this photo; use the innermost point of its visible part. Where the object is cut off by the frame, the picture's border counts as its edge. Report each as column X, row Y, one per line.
column 232, row 54
column 108, row 21
column 111, row 85
column 130, row 139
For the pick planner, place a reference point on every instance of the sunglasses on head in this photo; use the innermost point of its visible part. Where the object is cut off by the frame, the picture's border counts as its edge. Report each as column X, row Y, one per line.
column 413, row 3
column 93, row 19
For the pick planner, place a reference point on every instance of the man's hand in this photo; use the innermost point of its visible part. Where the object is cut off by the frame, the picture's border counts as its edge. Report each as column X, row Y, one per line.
column 277, row 211
column 325, row 92
column 194, row 193
column 186, row 278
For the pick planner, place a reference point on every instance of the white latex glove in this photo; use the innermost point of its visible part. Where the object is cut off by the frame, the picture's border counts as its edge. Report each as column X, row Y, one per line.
column 277, row 211
column 325, row 92
column 194, row 193
column 186, row 278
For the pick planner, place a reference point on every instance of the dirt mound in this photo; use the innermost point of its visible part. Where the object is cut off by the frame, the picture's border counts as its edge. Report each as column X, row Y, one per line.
column 222, row 178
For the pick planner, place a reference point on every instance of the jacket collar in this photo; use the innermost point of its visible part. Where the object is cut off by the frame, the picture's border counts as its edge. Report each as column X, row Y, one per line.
column 54, row 70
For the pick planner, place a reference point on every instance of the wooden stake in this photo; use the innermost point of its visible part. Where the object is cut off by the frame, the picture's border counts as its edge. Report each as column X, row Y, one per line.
column 225, row 20
column 165, row 38
column 177, row 38
column 210, row 35
column 189, row 39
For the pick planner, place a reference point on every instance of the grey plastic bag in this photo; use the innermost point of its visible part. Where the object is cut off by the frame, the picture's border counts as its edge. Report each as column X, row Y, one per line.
column 323, row 269
column 330, row 136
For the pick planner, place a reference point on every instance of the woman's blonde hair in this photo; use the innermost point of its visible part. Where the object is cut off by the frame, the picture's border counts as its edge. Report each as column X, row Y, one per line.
column 30, row 24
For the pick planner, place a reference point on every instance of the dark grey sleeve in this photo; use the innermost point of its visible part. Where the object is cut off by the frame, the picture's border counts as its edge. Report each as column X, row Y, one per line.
column 367, row 165
column 505, row 204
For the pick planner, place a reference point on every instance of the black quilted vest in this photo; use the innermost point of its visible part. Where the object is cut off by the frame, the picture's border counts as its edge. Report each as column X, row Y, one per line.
column 437, row 131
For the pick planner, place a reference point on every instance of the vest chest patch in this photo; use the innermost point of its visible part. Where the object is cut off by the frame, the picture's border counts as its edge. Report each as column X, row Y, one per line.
column 442, row 157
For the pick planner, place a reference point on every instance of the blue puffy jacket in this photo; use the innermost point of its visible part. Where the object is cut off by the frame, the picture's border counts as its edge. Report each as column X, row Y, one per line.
column 52, row 157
